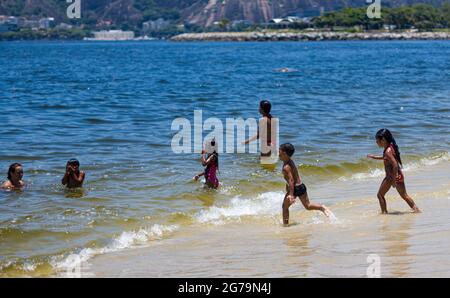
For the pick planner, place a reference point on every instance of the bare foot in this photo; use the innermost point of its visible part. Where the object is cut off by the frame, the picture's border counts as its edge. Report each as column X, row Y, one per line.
column 416, row 210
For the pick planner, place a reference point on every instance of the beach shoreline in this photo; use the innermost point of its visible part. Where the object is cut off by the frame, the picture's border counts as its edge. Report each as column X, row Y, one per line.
column 409, row 245
column 308, row 36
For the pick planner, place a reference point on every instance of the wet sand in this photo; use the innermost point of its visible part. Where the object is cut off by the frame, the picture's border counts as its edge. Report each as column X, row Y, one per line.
column 409, row 245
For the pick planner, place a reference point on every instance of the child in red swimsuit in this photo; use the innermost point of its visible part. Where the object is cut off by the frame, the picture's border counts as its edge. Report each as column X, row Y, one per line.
column 211, row 162
column 392, row 165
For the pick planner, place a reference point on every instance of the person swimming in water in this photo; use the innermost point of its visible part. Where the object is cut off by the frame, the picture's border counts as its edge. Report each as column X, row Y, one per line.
column 294, row 186
column 73, row 178
column 15, row 176
column 393, row 168
column 210, row 160
column 285, row 70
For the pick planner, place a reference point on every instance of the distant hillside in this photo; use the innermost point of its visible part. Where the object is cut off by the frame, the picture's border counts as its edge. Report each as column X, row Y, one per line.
column 199, row 12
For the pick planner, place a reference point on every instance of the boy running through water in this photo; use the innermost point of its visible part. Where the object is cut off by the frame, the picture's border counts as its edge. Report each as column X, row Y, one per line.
column 294, row 187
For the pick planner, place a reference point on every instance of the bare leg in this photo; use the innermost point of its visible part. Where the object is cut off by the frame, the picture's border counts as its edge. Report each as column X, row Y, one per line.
column 309, row 206
column 286, row 204
column 401, row 188
column 384, row 188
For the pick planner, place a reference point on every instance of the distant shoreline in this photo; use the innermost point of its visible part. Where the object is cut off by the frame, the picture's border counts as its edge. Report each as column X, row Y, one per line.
column 309, row 36
column 265, row 37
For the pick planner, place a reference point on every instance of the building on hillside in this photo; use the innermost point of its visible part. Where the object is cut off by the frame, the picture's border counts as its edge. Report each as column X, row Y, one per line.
column 46, row 23
column 158, row 25
column 11, row 23
column 289, row 22
column 104, row 23
column 241, row 23
column 28, row 23
column 276, row 21
column 389, row 27
column 64, row 26
column 113, row 35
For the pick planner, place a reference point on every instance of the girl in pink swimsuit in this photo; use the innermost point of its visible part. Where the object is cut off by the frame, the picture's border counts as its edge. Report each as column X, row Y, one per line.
column 211, row 162
column 392, row 165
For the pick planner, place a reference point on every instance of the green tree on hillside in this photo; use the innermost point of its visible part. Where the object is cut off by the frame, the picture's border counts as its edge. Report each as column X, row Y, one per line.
column 445, row 11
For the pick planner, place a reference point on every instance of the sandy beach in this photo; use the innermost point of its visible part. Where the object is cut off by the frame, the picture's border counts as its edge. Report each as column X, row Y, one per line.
column 409, row 245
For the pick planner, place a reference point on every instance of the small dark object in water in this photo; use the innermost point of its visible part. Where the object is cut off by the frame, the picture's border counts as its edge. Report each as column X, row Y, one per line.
column 285, row 70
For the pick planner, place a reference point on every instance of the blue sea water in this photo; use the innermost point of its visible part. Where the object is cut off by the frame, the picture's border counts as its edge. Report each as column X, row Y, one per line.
column 111, row 105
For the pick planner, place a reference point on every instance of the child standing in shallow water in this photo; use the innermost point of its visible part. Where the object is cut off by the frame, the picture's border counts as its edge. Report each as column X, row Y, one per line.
column 294, row 187
column 211, row 162
column 392, row 165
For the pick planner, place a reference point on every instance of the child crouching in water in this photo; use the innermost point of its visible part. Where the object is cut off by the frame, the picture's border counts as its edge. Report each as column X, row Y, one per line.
column 392, row 166
column 294, row 187
column 73, row 178
column 210, row 160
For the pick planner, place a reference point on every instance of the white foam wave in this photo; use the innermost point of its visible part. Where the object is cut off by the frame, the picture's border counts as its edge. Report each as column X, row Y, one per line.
column 363, row 176
column 333, row 218
column 6, row 265
column 268, row 203
column 30, row 267
column 126, row 240
column 434, row 160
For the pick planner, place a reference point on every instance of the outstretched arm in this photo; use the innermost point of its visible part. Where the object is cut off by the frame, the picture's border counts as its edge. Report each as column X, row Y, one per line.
column 375, row 157
column 196, row 177
column 252, row 139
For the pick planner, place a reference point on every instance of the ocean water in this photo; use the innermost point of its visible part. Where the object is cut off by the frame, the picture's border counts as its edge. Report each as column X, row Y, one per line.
column 111, row 105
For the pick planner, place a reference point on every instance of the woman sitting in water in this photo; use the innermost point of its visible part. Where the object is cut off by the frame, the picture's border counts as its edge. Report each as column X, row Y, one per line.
column 15, row 175
column 392, row 165
column 211, row 162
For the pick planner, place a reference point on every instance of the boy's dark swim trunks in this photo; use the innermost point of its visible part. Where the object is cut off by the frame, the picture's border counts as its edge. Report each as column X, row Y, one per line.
column 299, row 190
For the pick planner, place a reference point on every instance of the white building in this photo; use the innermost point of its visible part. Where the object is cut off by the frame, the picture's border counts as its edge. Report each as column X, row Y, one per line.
column 113, row 35
column 46, row 23
column 64, row 26
column 158, row 25
column 389, row 27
